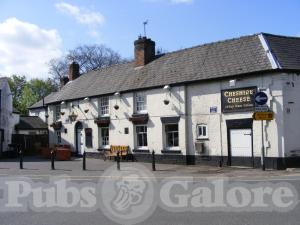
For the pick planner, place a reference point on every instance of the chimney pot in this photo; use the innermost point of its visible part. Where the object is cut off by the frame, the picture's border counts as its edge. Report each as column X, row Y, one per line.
column 64, row 81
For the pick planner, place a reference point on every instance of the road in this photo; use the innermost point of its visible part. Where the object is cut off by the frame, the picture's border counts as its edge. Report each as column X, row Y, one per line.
column 38, row 172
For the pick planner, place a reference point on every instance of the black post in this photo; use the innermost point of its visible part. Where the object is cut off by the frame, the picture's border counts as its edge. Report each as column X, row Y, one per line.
column 21, row 158
column 118, row 160
column 52, row 160
column 153, row 160
column 84, row 161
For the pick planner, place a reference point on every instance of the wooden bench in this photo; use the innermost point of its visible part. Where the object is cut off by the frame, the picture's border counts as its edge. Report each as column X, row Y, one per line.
column 114, row 149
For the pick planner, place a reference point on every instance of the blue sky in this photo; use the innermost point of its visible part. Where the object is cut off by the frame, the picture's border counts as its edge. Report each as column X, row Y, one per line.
column 34, row 31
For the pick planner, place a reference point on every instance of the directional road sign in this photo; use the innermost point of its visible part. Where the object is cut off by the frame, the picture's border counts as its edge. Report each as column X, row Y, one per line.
column 260, row 98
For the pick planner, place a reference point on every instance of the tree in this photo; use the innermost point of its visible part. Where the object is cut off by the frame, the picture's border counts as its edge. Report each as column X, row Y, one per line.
column 17, row 84
column 27, row 99
column 89, row 57
column 41, row 88
column 26, row 93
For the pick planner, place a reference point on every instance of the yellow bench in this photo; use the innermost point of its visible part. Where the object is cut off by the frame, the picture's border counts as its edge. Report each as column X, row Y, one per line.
column 114, row 149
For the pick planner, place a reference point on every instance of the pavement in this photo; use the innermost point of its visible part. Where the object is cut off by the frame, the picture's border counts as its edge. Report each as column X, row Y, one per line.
column 95, row 167
column 39, row 169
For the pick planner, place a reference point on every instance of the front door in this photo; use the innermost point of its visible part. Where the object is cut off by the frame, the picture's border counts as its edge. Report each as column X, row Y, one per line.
column 241, row 146
column 79, row 141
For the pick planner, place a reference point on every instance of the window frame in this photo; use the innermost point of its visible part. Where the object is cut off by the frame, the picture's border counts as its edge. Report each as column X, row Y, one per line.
column 166, row 137
column 141, row 147
column 201, row 136
column 103, row 146
column 58, row 136
column 103, row 108
column 138, row 102
column 57, row 111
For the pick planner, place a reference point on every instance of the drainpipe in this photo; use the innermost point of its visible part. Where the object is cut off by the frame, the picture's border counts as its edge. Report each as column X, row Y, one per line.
column 221, row 137
column 186, row 122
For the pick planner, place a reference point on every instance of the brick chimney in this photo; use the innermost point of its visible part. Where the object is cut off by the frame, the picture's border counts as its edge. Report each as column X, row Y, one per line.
column 63, row 81
column 73, row 71
column 144, row 51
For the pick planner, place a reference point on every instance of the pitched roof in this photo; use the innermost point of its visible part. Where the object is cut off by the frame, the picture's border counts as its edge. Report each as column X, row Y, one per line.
column 47, row 100
column 31, row 123
column 286, row 50
column 221, row 59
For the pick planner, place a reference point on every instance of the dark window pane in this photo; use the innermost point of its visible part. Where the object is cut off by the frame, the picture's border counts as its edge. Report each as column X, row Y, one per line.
column 200, row 130
column 88, row 137
column 204, row 131
column 176, row 139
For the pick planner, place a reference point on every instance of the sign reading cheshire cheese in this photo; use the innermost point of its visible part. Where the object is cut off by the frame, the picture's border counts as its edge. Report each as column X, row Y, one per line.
column 238, row 100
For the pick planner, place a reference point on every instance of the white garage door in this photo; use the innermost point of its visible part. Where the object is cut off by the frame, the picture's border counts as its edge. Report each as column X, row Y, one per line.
column 240, row 142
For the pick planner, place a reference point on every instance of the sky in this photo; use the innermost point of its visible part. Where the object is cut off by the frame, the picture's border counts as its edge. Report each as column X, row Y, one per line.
column 32, row 32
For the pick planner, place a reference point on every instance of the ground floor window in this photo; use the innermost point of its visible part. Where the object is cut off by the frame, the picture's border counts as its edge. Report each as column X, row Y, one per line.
column 88, row 137
column 58, row 136
column 172, row 135
column 202, row 131
column 141, row 136
column 104, row 136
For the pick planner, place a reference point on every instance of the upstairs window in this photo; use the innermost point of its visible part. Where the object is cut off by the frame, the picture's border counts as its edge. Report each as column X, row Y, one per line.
column 57, row 112
column 140, row 102
column 202, row 131
column 104, row 105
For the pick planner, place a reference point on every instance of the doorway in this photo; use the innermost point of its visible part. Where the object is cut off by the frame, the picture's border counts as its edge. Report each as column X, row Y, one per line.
column 240, row 142
column 79, row 138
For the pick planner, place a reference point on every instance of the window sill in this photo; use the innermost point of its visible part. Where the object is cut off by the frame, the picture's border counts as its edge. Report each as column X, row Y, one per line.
column 141, row 150
column 171, row 151
column 141, row 112
column 202, row 139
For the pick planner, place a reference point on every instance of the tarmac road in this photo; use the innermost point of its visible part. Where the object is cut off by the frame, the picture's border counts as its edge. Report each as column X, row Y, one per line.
column 38, row 171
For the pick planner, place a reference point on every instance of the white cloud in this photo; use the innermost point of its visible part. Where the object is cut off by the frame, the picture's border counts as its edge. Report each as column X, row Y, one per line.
column 90, row 18
column 25, row 48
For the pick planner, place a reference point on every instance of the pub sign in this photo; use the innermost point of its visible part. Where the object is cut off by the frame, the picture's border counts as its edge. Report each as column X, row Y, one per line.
column 238, row 99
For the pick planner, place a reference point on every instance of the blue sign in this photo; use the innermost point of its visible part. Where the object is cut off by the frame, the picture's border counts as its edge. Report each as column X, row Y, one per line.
column 213, row 109
column 260, row 98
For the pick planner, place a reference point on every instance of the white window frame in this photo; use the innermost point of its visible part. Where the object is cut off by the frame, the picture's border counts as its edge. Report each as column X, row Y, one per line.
column 137, row 139
column 104, row 106
column 140, row 102
column 57, row 110
column 200, row 130
column 166, row 137
column 104, row 143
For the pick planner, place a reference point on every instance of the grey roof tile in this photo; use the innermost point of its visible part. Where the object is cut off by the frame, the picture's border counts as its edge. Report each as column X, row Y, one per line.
column 210, row 61
column 31, row 123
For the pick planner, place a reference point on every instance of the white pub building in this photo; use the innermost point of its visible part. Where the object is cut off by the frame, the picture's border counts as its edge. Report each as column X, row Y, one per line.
column 191, row 106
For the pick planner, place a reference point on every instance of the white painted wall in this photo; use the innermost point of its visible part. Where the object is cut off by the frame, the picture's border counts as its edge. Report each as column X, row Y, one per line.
column 119, row 119
column 40, row 112
column 8, row 119
column 291, row 110
column 202, row 96
column 199, row 98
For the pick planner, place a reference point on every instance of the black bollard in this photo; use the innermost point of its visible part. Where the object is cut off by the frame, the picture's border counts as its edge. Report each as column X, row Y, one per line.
column 118, row 160
column 21, row 158
column 52, row 160
column 84, row 161
column 153, row 161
